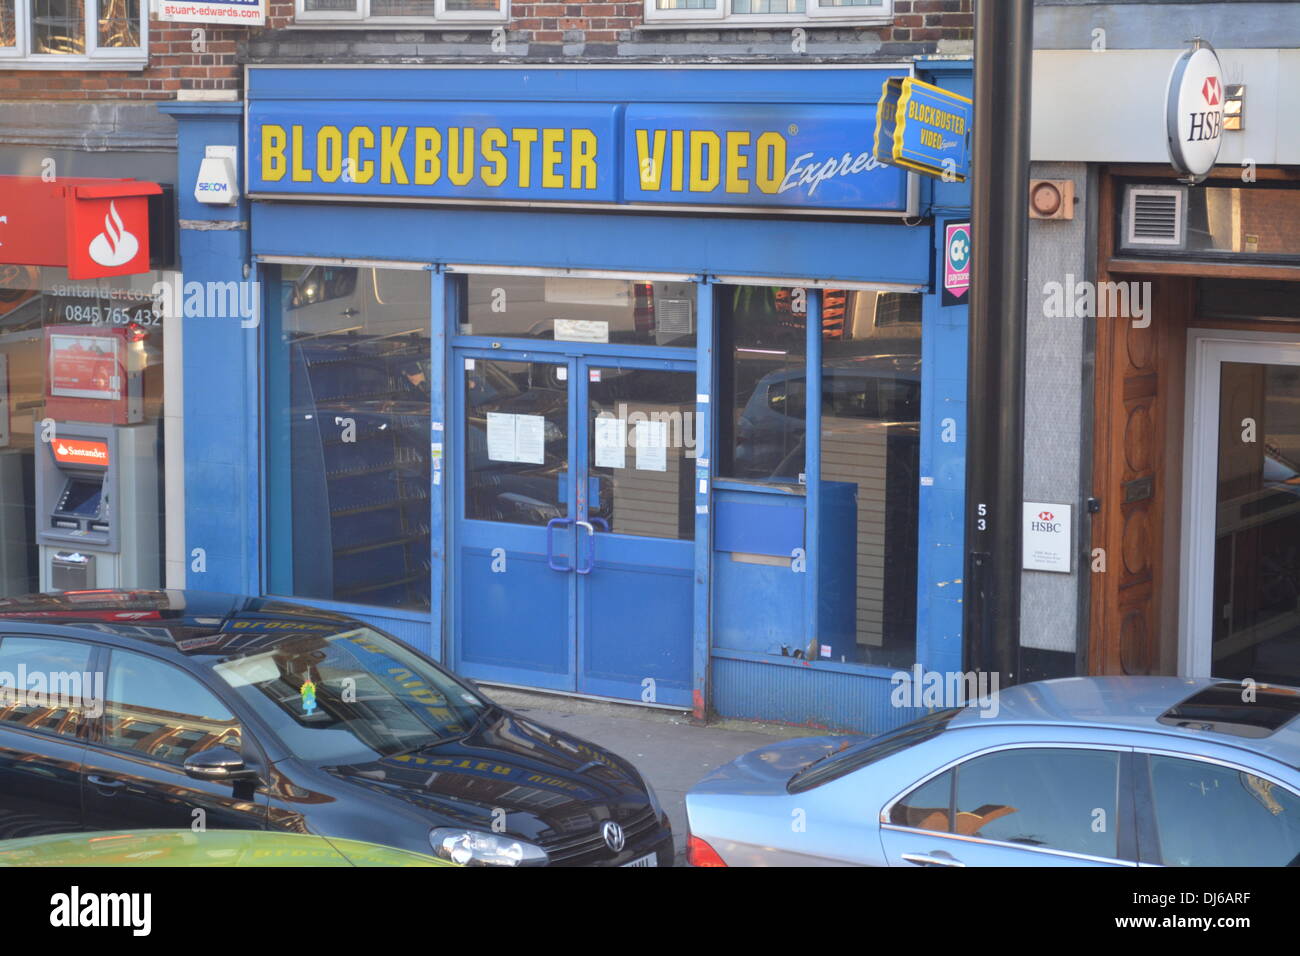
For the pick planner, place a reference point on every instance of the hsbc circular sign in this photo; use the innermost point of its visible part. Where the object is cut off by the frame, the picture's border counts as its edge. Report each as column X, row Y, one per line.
column 1194, row 111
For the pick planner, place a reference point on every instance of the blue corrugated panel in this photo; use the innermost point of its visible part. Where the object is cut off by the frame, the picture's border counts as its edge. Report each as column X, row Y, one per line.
column 805, row 696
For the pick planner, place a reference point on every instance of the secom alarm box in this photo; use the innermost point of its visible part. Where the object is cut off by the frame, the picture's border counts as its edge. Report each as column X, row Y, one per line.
column 97, row 507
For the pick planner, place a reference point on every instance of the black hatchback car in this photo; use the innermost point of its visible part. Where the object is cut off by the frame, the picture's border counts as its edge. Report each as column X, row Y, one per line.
column 182, row 709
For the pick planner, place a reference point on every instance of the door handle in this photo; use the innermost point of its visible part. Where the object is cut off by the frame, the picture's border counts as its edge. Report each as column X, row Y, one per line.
column 926, row 859
column 591, row 547
column 106, row 783
column 550, row 543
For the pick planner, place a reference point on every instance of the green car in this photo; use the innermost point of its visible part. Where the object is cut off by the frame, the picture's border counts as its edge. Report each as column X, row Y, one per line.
column 210, row 848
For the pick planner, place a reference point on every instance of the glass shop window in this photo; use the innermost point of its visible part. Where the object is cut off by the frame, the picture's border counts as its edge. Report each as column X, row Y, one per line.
column 763, row 376
column 349, row 418
column 562, row 309
column 871, row 412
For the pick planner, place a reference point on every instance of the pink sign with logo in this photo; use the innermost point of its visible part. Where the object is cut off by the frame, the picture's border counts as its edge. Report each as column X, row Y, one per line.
column 956, row 262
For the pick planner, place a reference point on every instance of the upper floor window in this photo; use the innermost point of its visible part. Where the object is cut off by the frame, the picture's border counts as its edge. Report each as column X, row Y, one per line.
column 766, row 12
column 399, row 12
column 63, row 34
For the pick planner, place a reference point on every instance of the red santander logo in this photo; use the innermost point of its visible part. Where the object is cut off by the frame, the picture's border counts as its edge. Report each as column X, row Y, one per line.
column 108, row 237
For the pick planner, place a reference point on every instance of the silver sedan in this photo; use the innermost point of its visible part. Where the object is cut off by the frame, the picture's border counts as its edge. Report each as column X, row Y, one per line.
column 1072, row 772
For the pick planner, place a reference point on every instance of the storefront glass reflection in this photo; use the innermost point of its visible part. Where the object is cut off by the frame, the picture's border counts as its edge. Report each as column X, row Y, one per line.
column 564, row 309
column 1257, row 548
column 349, row 448
column 870, row 413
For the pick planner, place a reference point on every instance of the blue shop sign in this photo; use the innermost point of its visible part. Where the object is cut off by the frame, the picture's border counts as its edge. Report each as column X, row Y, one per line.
column 761, row 156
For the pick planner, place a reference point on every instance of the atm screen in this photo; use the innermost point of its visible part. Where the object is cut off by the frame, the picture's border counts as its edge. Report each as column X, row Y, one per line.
column 81, row 498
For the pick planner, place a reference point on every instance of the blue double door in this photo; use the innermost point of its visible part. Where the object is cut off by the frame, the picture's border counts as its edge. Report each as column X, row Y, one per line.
column 573, row 537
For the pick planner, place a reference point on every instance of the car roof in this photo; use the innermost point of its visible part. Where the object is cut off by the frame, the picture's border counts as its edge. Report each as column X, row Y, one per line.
column 191, row 624
column 1253, row 716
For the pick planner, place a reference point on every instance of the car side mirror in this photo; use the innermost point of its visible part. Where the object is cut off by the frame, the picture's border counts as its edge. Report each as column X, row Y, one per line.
column 218, row 763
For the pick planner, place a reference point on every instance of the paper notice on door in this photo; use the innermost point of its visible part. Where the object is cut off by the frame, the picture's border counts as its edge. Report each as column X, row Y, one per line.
column 530, row 439
column 501, row 437
column 652, row 446
column 611, row 442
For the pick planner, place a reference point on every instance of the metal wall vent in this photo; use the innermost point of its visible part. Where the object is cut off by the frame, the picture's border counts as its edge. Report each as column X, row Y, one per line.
column 673, row 316
column 1155, row 216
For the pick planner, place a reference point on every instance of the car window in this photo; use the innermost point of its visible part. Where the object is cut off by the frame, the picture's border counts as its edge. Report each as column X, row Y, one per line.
column 1054, row 798
column 854, row 756
column 927, row 807
column 46, row 684
column 1210, row 815
column 351, row 697
column 155, row 708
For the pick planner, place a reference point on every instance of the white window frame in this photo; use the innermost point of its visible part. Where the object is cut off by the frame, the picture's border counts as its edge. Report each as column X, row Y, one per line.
column 814, row 11
column 361, row 14
column 20, row 57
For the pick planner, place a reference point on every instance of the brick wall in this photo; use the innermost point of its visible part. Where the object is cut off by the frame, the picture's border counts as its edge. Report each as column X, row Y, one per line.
column 173, row 64
column 538, row 32
column 564, row 32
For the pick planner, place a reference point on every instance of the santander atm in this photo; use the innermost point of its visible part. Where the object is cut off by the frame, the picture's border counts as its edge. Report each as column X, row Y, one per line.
column 96, row 463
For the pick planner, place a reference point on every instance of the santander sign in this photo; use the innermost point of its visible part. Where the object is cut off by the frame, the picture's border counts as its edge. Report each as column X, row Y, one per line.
column 96, row 228
column 108, row 235
column 115, row 246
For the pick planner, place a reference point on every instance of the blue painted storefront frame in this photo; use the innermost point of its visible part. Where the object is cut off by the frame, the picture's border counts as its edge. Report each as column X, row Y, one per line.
column 226, row 447
column 576, row 357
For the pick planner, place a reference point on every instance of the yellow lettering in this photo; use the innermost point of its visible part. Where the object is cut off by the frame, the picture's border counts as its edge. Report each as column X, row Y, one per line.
column 679, row 161
column 551, row 159
column 649, row 159
column 525, row 138
column 769, row 168
column 492, row 142
column 705, row 173
column 273, row 163
column 460, row 155
column 428, row 167
column 391, row 169
column 300, row 175
column 582, row 159
column 329, row 153
column 361, row 171
column 737, row 162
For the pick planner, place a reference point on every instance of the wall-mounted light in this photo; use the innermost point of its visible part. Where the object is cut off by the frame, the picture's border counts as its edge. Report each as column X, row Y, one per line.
column 1234, row 106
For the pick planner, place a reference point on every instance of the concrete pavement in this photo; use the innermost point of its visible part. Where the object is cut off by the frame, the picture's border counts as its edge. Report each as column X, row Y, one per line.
column 669, row 750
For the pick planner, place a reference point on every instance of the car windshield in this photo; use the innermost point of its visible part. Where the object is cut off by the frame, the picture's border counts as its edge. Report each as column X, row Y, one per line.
column 351, row 697
column 838, row 763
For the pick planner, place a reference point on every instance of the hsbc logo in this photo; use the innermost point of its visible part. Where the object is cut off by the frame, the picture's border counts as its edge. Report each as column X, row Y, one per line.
column 1204, row 126
column 1046, row 522
column 1211, row 91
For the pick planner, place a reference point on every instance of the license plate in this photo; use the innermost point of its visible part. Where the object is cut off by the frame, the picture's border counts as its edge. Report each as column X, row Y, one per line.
column 650, row 859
